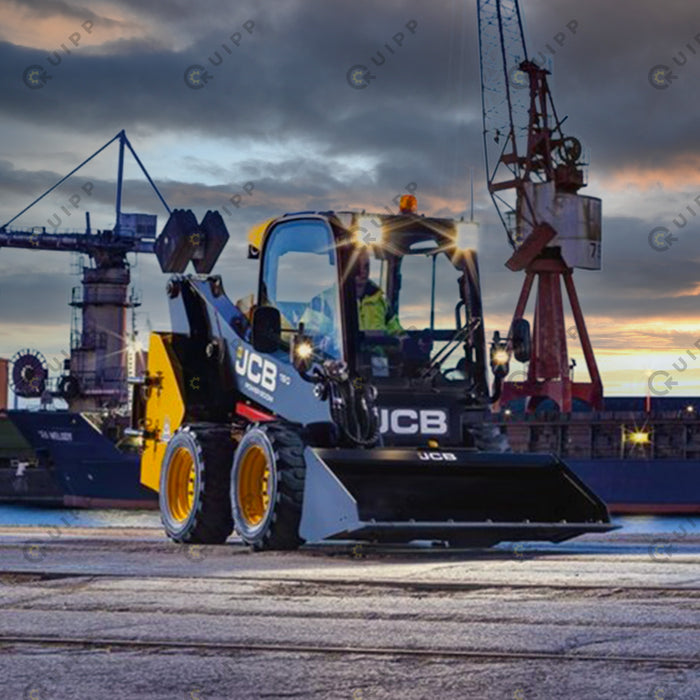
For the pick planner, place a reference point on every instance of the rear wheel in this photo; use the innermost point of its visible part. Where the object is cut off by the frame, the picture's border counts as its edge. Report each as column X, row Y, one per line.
column 267, row 486
column 194, row 485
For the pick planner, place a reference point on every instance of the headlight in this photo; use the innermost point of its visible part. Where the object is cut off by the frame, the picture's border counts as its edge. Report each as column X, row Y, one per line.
column 467, row 235
column 304, row 350
column 500, row 356
column 301, row 352
column 368, row 230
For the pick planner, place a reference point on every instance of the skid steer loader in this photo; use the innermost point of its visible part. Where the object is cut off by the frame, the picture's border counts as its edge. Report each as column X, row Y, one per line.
column 296, row 415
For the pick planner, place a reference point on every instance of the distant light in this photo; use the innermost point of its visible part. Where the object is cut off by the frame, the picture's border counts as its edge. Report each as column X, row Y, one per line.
column 135, row 346
column 508, row 411
column 690, row 409
column 639, row 437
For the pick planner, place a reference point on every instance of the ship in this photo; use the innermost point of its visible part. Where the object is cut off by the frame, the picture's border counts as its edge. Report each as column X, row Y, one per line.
column 72, row 461
column 81, row 455
column 641, row 455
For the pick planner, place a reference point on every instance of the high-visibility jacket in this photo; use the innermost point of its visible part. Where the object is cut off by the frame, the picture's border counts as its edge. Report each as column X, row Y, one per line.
column 374, row 312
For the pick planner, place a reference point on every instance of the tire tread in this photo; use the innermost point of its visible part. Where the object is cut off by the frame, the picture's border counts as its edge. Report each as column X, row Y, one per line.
column 212, row 522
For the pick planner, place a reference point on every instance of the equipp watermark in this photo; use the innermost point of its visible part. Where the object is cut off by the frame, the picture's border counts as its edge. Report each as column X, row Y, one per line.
column 374, row 236
column 74, row 199
column 36, row 551
column 661, row 75
column 661, row 238
column 359, row 76
column 35, row 76
column 236, row 199
column 518, row 78
column 661, row 548
column 197, row 76
column 662, row 377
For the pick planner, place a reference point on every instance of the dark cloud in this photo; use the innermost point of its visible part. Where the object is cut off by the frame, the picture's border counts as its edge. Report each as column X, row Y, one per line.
column 283, row 91
column 287, row 80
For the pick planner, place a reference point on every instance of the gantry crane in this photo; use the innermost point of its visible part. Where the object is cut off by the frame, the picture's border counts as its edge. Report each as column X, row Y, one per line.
column 96, row 374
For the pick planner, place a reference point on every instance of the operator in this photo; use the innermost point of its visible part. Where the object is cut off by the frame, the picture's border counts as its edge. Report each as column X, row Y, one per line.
column 373, row 310
column 375, row 314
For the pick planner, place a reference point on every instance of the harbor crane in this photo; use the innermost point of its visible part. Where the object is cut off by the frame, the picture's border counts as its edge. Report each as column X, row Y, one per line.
column 95, row 375
column 535, row 172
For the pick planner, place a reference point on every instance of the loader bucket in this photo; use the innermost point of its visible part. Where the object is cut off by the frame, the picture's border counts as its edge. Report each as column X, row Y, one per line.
column 462, row 496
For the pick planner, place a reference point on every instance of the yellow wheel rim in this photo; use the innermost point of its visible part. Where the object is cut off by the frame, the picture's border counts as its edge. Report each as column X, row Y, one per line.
column 254, row 485
column 181, row 482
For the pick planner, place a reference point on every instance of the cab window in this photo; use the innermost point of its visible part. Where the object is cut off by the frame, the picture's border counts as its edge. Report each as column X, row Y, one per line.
column 300, row 278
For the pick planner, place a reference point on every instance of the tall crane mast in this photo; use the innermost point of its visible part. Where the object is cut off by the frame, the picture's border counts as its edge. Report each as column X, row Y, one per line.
column 96, row 374
column 534, row 173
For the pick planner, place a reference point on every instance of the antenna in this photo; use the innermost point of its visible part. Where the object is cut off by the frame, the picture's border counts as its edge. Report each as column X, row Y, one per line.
column 471, row 187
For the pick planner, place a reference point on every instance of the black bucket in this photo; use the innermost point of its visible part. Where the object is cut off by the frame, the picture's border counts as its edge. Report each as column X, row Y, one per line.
column 462, row 496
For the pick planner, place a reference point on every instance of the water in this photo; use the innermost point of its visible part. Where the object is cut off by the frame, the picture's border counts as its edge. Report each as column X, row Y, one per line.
column 657, row 524
column 26, row 516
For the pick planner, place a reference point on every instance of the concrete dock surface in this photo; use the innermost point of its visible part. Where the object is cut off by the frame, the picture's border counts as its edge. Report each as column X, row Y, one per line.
column 123, row 613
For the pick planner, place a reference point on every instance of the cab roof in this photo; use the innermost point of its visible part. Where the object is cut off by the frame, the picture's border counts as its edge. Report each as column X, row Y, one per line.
column 354, row 220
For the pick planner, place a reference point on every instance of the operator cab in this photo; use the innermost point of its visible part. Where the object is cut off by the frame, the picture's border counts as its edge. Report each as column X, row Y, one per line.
column 430, row 316
column 396, row 297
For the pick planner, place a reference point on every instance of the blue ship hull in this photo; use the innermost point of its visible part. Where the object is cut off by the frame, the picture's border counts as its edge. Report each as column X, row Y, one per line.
column 84, row 465
column 657, row 474
column 642, row 486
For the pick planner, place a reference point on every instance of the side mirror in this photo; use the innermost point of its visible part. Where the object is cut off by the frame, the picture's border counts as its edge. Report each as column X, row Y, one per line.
column 520, row 340
column 267, row 328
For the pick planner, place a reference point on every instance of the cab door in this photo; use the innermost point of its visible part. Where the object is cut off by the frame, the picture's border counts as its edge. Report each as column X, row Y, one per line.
column 299, row 277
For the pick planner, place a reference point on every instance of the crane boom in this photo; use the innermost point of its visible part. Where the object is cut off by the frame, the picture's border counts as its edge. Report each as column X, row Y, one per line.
column 501, row 46
column 104, row 247
column 523, row 139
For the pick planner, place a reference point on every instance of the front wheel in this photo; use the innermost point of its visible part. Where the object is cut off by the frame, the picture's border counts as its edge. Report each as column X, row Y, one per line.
column 267, row 486
column 194, row 485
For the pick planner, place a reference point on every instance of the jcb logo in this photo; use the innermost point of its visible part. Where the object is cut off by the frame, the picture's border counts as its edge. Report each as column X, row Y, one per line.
column 256, row 368
column 406, row 421
column 437, row 456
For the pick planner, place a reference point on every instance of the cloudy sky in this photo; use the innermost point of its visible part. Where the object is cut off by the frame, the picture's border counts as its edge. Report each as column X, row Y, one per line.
column 278, row 111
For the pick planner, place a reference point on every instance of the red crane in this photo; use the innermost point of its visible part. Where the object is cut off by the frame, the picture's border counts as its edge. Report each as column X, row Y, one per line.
column 534, row 174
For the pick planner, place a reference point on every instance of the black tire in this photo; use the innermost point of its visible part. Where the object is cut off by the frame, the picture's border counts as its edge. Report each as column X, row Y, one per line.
column 208, row 520
column 278, row 526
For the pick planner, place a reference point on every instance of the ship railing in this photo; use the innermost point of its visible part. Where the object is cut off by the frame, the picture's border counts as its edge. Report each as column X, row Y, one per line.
column 612, row 435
